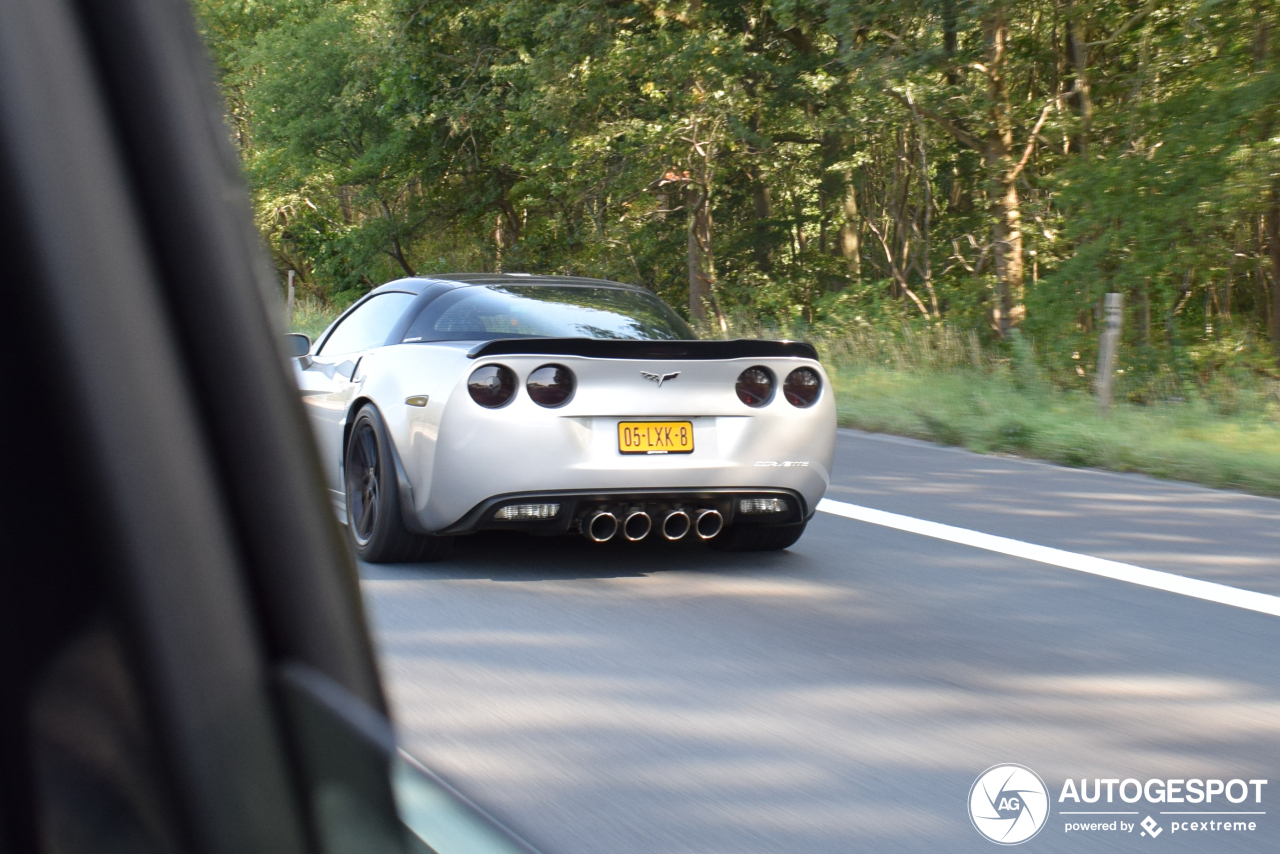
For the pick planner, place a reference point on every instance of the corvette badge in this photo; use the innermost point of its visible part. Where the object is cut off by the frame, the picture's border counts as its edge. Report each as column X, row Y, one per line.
column 659, row 378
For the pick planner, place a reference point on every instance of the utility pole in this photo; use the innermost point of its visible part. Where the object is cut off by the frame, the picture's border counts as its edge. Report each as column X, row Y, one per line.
column 1107, row 347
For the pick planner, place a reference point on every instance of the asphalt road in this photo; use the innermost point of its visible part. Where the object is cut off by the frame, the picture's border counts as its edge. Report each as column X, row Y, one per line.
column 844, row 695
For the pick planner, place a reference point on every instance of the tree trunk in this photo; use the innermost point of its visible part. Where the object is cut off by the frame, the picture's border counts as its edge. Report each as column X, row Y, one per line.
column 797, row 224
column 996, row 147
column 762, row 238
column 1006, row 233
column 824, row 213
column 949, row 40
column 1261, row 52
column 850, row 230
column 1078, row 53
column 344, row 204
column 1006, row 227
column 513, row 224
column 1261, row 35
column 925, row 237
column 830, row 188
column 1146, row 312
column 1273, row 250
column 396, row 251
column 499, row 243
column 701, row 261
column 762, row 207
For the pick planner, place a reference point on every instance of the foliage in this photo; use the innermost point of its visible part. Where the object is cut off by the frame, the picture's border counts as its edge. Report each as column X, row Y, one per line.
column 820, row 166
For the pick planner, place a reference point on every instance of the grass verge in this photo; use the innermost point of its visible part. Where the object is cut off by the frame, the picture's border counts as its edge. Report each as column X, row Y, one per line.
column 941, row 386
column 312, row 317
column 986, row 410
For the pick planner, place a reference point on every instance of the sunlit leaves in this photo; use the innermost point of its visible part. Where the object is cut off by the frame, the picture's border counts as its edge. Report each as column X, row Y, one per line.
column 562, row 135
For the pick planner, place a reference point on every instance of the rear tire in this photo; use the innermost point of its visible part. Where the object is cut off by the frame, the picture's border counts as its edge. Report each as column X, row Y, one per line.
column 759, row 538
column 374, row 523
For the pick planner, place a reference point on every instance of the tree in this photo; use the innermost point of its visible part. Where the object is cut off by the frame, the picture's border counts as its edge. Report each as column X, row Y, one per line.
column 987, row 163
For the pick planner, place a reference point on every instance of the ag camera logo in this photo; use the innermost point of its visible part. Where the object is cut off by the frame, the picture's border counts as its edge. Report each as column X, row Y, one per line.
column 1008, row 804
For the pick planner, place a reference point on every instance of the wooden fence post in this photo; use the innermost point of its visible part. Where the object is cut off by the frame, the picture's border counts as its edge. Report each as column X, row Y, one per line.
column 1107, row 347
column 288, row 306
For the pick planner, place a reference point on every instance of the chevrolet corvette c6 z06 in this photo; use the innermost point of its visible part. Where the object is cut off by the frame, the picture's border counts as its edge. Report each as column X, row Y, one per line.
column 447, row 405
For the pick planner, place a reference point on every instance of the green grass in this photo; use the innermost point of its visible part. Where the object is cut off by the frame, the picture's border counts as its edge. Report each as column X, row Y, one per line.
column 941, row 386
column 986, row 410
column 311, row 316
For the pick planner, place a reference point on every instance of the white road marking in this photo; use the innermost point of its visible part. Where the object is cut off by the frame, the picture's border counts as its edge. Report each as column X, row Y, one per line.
column 1206, row 590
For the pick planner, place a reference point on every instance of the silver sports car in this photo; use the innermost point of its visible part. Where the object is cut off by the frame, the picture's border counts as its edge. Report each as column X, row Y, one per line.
column 453, row 404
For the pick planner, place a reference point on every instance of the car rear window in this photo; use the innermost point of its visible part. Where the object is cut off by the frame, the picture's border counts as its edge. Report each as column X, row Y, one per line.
column 483, row 313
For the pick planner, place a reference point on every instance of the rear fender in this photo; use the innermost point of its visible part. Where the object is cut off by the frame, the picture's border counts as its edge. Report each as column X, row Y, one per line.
column 404, row 487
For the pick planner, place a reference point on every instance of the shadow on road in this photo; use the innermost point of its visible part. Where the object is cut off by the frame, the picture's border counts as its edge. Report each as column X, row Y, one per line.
column 511, row 556
column 842, row 695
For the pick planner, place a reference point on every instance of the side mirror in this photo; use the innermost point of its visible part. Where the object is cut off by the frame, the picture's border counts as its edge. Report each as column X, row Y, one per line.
column 299, row 347
column 297, row 344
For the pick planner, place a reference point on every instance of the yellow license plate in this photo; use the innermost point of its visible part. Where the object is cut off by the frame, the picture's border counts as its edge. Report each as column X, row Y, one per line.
column 655, row 437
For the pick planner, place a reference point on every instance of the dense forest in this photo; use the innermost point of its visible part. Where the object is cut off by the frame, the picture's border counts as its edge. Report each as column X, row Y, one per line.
column 796, row 164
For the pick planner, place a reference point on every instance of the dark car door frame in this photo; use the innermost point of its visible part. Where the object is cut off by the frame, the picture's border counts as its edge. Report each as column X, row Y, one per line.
column 206, row 545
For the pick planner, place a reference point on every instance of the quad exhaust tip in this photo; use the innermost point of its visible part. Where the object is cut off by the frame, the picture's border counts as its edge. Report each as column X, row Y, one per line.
column 708, row 524
column 637, row 526
column 676, row 525
column 600, row 527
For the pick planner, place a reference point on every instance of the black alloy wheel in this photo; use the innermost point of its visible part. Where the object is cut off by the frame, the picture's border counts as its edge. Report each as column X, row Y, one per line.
column 374, row 523
column 362, row 481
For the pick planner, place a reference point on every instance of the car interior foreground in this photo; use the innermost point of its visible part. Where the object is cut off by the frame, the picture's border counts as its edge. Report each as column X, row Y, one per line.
column 184, row 662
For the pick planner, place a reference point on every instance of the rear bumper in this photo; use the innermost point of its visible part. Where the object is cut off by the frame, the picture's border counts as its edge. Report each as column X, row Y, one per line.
column 574, row 505
column 496, row 455
column 471, row 454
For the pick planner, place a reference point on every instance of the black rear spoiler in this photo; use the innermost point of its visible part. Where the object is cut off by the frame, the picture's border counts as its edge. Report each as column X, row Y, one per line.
column 612, row 348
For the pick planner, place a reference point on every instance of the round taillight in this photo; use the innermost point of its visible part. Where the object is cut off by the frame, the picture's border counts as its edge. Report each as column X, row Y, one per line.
column 802, row 387
column 755, row 386
column 492, row 386
column 551, row 385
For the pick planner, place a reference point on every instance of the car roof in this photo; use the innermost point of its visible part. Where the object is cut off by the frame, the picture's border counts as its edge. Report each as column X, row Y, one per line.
column 418, row 284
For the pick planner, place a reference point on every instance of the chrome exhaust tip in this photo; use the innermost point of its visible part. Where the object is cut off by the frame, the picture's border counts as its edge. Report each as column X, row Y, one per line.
column 708, row 524
column 637, row 526
column 600, row 526
column 676, row 525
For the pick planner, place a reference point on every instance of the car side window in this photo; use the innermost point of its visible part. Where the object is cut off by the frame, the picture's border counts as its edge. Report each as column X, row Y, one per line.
column 367, row 326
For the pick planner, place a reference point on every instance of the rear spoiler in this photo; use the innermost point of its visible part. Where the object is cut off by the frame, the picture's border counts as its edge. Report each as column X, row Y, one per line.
column 614, row 348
